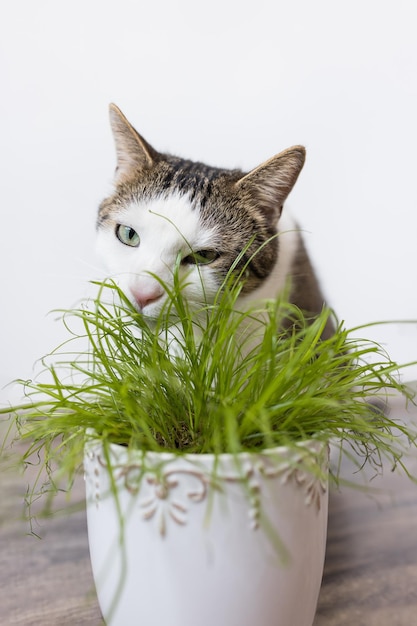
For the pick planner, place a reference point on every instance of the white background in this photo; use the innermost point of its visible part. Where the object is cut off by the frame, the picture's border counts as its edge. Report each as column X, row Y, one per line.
column 231, row 83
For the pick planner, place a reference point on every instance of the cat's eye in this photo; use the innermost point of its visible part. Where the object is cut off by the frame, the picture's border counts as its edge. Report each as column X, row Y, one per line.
column 201, row 257
column 127, row 235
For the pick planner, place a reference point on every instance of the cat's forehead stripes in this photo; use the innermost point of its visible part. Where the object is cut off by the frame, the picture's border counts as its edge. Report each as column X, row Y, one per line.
column 192, row 178
column 172, row 176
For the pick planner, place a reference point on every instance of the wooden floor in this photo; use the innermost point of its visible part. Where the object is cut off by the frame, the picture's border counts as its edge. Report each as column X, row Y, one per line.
column 370, row 576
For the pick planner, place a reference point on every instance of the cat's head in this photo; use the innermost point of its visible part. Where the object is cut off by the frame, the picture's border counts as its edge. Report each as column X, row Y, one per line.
column 164, row 207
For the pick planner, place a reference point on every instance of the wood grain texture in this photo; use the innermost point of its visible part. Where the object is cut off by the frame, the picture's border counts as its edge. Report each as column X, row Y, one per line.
column 370, row 575
column 47, row 581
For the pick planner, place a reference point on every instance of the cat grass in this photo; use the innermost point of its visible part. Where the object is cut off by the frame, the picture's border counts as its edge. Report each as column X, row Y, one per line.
column 207, row 379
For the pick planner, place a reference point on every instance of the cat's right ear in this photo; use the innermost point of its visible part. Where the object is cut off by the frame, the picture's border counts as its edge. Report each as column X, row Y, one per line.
column 133, row 152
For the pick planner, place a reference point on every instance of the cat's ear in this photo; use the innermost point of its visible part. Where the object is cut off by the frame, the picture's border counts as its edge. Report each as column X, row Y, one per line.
column 270, row 183
column 133, row 152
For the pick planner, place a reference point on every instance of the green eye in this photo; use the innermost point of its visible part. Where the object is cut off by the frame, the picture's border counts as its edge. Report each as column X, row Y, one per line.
column 201, row 257
column 127, row 235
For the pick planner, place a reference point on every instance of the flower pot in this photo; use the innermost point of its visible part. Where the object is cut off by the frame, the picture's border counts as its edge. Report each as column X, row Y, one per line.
column 204, row 540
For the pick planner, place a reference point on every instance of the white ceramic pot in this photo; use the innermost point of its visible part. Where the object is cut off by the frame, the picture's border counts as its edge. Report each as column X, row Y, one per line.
column 201, row 545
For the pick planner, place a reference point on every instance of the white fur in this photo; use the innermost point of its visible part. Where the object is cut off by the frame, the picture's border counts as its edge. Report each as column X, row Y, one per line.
column 166, row 227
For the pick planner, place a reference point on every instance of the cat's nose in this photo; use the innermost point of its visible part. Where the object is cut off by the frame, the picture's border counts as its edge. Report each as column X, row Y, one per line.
column 144, row 297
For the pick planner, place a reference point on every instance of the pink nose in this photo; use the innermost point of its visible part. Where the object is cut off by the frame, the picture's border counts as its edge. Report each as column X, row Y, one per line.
column 145, row 297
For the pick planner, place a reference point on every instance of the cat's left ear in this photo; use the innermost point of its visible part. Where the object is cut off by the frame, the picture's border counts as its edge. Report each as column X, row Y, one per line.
column 269, row 184
column 133, row 152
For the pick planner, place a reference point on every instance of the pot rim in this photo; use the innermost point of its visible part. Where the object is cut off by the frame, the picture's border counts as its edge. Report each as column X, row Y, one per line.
column 313, row 446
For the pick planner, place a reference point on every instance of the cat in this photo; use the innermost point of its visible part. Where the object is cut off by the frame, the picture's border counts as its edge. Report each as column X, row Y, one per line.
column 163, row 206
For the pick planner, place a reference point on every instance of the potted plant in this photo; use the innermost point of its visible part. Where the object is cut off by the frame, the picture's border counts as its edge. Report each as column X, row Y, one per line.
column 204, row 435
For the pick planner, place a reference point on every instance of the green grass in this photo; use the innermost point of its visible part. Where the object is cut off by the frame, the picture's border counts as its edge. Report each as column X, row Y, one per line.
column 206, row 380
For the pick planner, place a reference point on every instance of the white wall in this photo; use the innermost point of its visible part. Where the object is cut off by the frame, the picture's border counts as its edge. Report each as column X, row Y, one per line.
column 228, row 82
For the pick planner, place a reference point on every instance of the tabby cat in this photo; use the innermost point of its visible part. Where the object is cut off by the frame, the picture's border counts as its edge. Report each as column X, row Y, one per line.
column 164, row 206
